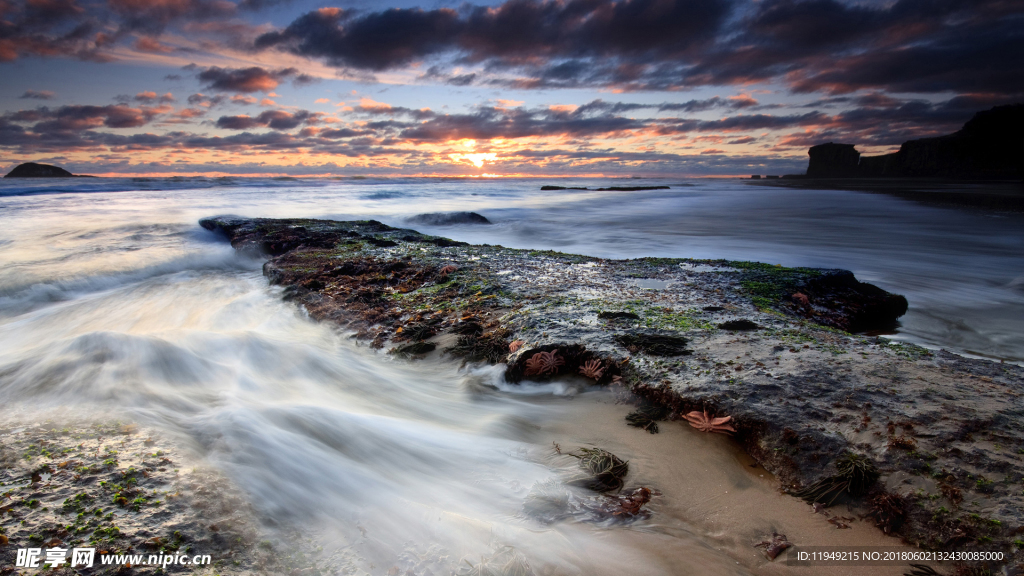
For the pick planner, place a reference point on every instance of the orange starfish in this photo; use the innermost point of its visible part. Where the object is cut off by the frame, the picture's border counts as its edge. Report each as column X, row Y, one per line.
column 593, row 369
column 544, row 362
column 515, row 346
column 701, row 421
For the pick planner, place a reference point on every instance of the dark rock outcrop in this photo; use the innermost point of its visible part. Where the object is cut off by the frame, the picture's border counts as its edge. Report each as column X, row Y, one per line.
column 631, row 188
column 833, row 161
column 849, row 304
column 448, row 218
column 33, row 170
column 609, row 189
column 990, row 146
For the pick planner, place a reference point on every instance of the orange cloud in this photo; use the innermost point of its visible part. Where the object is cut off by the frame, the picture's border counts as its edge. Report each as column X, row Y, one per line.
column 151, row 45
column 369, row 104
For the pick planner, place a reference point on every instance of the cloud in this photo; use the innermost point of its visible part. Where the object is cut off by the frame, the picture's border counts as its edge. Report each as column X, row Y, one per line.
column 204, row 101
column 810, row 45
column 152, row 45
column 79, row 118
column 744, row 140
column 252, row 79
column 38, row 94
column 150, row 97
column 274, row 119
column 154, row 16
column 832, row 47
column 599, row 135
column 510, row 32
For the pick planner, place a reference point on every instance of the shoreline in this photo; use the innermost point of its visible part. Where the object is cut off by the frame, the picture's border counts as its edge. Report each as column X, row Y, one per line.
column 682, row 335
column 1001, row 195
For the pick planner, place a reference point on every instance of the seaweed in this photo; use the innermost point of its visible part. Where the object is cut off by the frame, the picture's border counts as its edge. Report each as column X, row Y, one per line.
column 490, row 346
column 414, row 349
column 889, row 511
column 855, row 476
column 505, row 562
column 607, row 469
column 646, row 416
column 419, row 331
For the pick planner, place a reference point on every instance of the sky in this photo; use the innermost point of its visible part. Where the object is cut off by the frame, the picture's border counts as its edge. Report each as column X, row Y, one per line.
column 619, row 88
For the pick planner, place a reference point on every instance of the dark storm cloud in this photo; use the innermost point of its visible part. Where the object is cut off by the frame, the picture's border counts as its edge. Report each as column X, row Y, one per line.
column 830, row 46
column 86, row 29
column 510, row 32
column 910, row 45
column 253, row 79
column 816, row 45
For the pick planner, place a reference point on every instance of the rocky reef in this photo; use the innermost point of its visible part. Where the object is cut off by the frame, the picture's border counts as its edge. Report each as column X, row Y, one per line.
column 928, row 444
column 122, row 489
column 33, row 170
column 990, row 146
column 448, row 218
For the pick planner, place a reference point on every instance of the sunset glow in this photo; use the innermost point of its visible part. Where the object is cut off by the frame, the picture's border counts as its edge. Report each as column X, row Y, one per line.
column 632, row 87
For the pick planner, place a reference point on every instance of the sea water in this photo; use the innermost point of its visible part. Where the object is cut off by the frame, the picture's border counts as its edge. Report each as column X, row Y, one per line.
column 113, row 300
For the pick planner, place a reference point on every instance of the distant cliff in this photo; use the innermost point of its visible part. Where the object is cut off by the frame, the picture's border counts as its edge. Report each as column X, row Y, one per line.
column 990, row 146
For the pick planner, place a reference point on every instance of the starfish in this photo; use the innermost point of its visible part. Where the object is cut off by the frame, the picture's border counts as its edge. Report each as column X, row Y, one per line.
column 801, row 300
column 701, row 421
column 593, row 369
column 447, row 270
column 775, row 545
column 631, row 504
column 543, row 363
column 513, row 347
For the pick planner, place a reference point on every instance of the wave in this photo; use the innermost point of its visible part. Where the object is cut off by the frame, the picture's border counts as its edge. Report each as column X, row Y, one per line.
column 19, row 298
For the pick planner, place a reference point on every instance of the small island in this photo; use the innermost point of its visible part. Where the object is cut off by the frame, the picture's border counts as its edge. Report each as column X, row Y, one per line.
column 33, row 170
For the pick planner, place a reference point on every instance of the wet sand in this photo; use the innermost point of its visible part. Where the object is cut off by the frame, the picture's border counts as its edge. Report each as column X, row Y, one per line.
column 710, row 489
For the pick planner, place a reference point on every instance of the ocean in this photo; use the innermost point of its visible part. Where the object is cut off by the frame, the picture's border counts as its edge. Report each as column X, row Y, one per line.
column 114, row 302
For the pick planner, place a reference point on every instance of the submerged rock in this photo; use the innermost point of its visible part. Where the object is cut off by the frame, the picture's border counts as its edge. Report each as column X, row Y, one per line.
column 617, row 316
column 850, row 305
column 741, row 325
column 631, row 188
column 33, row 170
column 448, row 218
column 654, row 344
